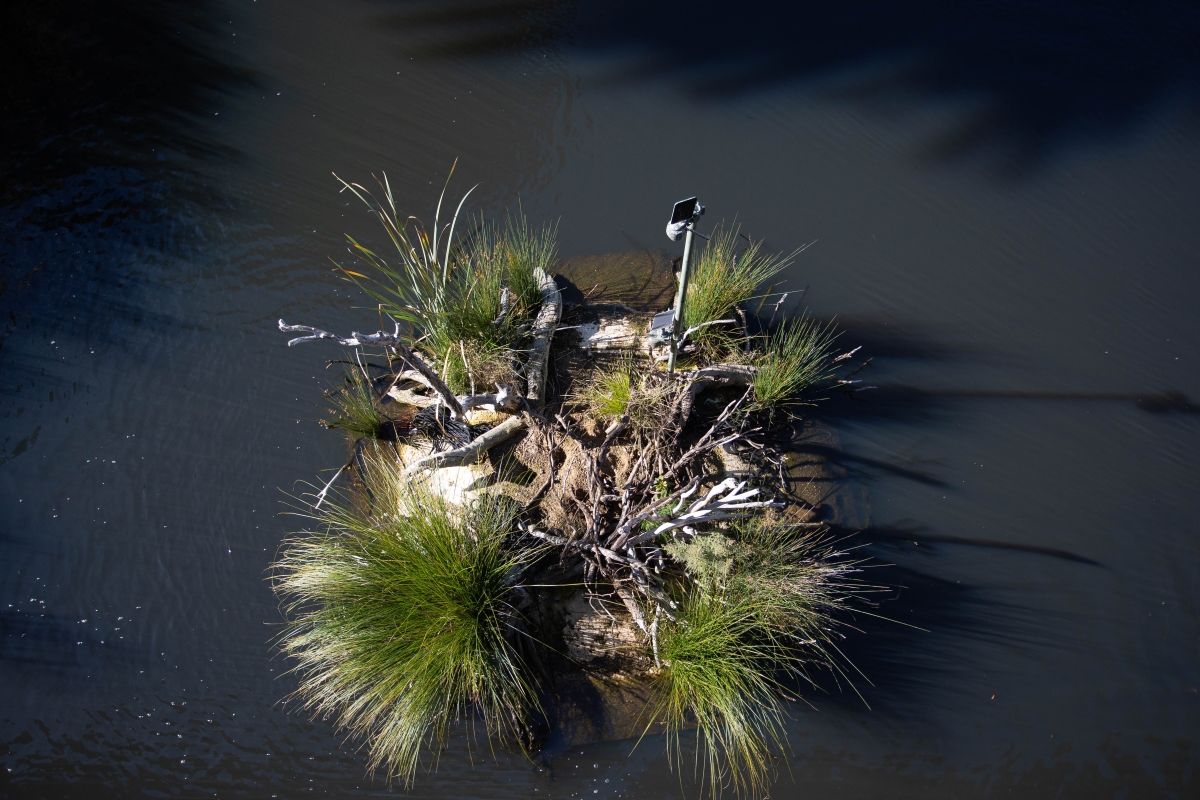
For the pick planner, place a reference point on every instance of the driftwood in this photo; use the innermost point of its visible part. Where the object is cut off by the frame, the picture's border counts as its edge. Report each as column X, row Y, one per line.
column 470, row 452
column 718, row 375
column 543, row 333
column 663, row 491
column 621, row 333
column 420, row 372
column 393, row 340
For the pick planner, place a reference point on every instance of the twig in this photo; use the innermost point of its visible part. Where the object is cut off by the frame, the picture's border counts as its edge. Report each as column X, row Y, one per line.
column 393, row 340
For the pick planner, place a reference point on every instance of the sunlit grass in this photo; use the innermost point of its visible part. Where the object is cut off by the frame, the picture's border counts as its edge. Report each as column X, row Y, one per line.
column 798, row 358
column 354, row 409
column 527, row 249
column 794, row 582
column 608, row 394
column 717, row 674
column 724, row 274
column 400, row 619
column 469, row 303
column 758, row 606
column 612, row 391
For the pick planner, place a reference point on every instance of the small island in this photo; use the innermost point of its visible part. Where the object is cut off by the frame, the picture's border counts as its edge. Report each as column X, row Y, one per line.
column 552, row 504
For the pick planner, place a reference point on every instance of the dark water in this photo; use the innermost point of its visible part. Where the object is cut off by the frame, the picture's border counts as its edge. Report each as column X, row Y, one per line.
column 1005, row 198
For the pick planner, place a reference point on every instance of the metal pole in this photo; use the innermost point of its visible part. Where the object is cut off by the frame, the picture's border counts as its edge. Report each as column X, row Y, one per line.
column 680, row 296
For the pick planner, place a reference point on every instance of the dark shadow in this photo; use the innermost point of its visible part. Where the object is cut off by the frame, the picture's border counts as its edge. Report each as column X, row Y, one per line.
column 910, row 646
column 862, row 467
column 909, row 640
column 910, row 404
column 892, row 339
column 1040, row 76
column 1170, row 401
column 101, row 204
column 879, row 404
column 919, row 536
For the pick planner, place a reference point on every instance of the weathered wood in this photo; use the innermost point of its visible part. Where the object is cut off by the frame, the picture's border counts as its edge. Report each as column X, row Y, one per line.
column 393, row 340
column 543, row 332
column 470, row 452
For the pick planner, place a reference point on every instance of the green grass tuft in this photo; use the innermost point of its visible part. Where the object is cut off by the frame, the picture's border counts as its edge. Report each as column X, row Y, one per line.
column 477, row 297
column 794, row 582
column 798, row 358
column 527, row 249
column 399, row 618
column 614, row 391
column 354, row 409
column 716, row 674
column 758, row 608
column 723, row 275
column 608, row 394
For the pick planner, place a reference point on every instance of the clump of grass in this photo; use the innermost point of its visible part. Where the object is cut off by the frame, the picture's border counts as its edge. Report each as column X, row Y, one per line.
column 354, row 409
column 397, row 619
column 478, row 296
column 716, row 674
column 413, row 282
column 724, row 275
column 527, row 249
column 608, row 394
column 794, row 581
column 613, row 392
column 758, row 605
column 798, row 357
column 474, row 366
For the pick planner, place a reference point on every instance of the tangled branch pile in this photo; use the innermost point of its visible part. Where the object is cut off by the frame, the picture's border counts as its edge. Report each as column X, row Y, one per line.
column 432, row 589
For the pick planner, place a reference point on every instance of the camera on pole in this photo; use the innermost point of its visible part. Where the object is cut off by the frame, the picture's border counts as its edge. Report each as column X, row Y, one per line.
column 682, row 222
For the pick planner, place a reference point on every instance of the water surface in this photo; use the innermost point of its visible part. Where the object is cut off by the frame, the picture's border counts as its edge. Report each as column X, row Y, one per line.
column 1004, row 202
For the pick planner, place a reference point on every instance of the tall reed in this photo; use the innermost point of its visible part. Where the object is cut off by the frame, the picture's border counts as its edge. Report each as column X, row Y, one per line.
column 469, row 303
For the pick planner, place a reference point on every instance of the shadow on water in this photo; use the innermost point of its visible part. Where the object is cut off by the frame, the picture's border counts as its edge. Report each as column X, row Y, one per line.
column 920, row 536
column 914, row 642
column 105, row 83
column 103, row 216
column 917, row 634
column 920, row 636
column 1041, row 76
column 102, row 105
column 912, row 405
column 860, row 467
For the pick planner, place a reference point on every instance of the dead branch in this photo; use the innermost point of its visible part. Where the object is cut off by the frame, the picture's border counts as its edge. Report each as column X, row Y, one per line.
column 717, row 375
column 382, row 338
column 728, row 500
column 470, row 453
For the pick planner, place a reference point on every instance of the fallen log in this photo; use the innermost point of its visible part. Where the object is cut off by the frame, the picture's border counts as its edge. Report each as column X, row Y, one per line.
column 543, row 332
